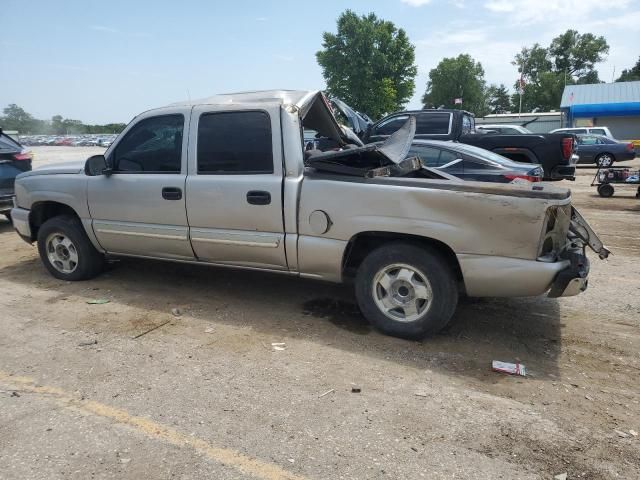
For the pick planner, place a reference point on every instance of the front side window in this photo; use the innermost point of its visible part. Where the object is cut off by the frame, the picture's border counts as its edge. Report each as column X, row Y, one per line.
column 235, row 143
column 153, row 145
column 391, row 126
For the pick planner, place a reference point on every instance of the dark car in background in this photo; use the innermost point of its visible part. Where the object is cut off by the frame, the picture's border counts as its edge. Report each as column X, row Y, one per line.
column 603, row 151
column 14, row 160
column 472, row 163
column 554, row 152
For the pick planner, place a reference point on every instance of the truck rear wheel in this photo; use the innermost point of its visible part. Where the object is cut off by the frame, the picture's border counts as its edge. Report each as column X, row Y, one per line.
column 66, row 251
column 406, row 291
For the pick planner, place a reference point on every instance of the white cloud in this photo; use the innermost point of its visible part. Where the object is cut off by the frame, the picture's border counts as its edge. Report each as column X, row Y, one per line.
column 416, row 3
column 102, row 28
column 566, row 12
column 494, row 36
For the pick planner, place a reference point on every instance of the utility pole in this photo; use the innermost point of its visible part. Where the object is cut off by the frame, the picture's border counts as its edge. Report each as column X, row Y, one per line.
column 521, row 87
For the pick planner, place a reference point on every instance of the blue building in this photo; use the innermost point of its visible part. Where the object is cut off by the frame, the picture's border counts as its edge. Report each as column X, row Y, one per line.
column 613, row 105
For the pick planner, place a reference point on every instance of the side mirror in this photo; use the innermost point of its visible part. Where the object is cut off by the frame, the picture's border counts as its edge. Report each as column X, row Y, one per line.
column 96, row 165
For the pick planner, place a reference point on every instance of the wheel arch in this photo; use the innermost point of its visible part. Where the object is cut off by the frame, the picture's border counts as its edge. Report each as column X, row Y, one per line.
column 363, row 243
column 44, row 210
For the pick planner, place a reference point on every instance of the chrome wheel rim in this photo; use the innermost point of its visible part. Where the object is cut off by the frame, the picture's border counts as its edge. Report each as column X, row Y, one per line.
column 62, row 253
column 402, row 292
column 605, row 161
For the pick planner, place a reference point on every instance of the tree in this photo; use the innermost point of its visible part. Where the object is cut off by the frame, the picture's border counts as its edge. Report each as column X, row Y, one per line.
column 577, row 54
column 461, row 77
column 570, row 59
column 57, row 125
column 631, row 75
column 15, row 118
column 368, row 63
column 497, row 99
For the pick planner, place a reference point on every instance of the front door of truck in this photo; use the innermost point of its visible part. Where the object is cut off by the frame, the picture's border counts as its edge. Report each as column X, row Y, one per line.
column 140, row 208
column 234, row 186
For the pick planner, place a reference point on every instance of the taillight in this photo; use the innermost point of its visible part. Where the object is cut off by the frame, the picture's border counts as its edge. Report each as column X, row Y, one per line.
column 23, row 155
column 630, row 147
column 567, row 147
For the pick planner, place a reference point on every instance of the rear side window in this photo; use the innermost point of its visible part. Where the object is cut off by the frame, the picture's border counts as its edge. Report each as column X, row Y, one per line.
column 587, row 140
column 432, row 157
column 467, row 124
column 435, row 123
column 235, row 143
column 597, row 131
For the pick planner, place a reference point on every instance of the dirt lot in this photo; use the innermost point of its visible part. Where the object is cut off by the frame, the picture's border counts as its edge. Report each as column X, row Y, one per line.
column 85, row 393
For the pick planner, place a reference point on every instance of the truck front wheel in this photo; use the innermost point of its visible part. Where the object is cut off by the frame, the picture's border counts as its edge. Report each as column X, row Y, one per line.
column 406, row 291
column 66, row 251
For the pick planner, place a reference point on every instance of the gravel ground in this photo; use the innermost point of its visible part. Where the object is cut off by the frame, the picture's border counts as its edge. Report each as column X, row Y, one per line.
column 86, row 393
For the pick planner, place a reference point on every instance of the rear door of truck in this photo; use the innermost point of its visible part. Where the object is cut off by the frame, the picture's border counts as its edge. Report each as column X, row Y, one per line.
column 234, row 186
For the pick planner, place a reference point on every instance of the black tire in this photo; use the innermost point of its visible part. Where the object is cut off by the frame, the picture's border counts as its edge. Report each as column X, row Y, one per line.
column 428, row 263
column 90, row 262
column 605, row 190
column 607, row 158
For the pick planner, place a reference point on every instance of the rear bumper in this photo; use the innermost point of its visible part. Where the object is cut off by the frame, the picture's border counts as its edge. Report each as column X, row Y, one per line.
column 489, row 276
column 566, row 171
column 573, row 280
column 20, row 218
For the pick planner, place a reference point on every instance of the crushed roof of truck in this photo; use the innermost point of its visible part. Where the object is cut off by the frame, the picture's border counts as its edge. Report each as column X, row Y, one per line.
column 312, row 105
column 282, row 97
column 388, row 158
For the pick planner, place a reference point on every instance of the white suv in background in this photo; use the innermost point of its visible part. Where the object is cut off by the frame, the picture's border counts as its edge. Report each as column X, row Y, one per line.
column 586, row 130
column 504, row 129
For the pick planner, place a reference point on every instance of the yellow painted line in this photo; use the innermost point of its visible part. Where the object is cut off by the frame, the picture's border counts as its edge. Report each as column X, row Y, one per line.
column 226, row 456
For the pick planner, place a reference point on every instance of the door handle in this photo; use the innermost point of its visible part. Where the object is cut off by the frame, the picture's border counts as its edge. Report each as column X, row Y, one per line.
column 172, row 193
column 258, row 197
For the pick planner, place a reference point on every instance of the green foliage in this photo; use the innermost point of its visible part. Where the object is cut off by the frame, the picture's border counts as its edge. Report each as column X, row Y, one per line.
column 577, row 54
column 15, row 118
column 498, row 99
column 631, row 75
column 368, row 63
column 570, row 59
column 460, row 77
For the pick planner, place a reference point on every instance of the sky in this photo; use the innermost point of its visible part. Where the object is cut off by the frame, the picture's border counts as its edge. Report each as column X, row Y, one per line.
column 102, row 62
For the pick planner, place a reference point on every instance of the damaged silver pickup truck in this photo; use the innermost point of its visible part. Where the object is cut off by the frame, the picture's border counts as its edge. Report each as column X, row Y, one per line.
column 226, row 181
